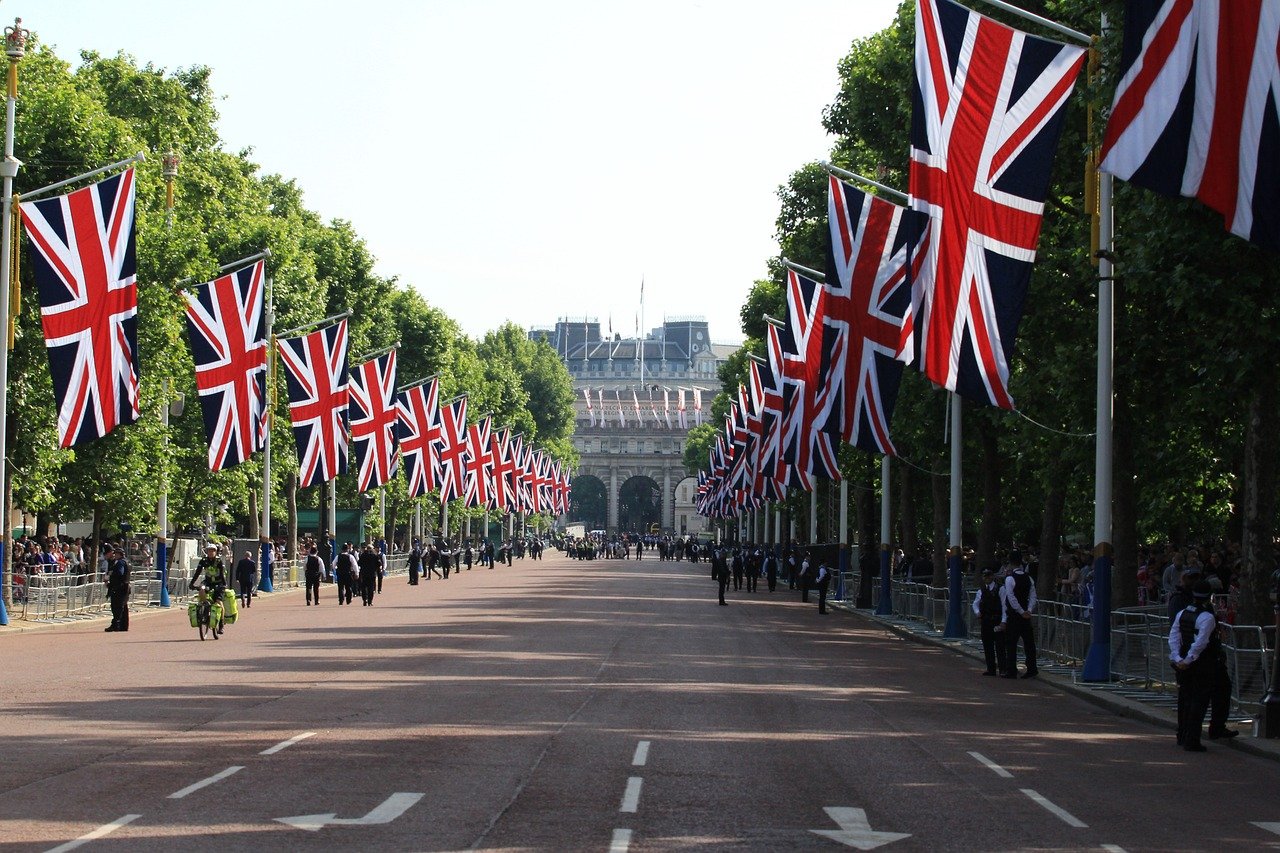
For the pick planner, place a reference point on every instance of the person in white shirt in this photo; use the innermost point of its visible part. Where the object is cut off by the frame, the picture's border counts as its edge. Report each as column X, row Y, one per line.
column 1201, row 670
column 823, row 583
column 1019, row 607
column 988, row 606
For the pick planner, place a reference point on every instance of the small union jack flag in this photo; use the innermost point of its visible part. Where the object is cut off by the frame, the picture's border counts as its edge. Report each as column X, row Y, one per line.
column 503, row 470
column 808, row 450
column 82, row 251
column 373, row 416
column 227, row 327
column 418, row 430
column 480, row 463
column 316, row 375
column 453, row 449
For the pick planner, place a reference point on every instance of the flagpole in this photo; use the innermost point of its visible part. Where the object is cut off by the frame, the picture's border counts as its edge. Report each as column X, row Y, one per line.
column 136, row 158
column 265, row 582
column 854, row 176
column 333, row 522
column 885, row 607
column 169, row 171
column 15, row 41
column 955, row 556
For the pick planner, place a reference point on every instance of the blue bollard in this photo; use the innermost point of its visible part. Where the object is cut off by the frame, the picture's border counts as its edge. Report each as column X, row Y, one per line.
column 4, row 614
column 162, row 560
column 885, row 607
column 1097, row 662
column 955, row 605
column 264, row 570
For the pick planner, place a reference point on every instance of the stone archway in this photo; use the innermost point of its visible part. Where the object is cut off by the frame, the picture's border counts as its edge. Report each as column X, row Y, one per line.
column 639, row 505
column 589, row 502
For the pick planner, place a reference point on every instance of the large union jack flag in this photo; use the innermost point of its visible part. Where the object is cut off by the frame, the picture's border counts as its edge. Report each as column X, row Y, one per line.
column 82, row 251
column 984, row 131
column 316, row 375
column 227, row 327
column 503, row 470
column 1195, row 113
column 479, row 462
column 452, row 448
column 418, row 431
column 868, row 294
column 808, row 450
column 374, row 416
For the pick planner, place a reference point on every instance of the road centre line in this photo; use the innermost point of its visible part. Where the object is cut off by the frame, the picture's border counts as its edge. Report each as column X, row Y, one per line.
column 995, row 768
column 642, row 754
column 631, row 798
column 1113, row 848
column 285, row 744
column 105, row 829
column 621, row 841
column 204, row 783
column 1061, row 813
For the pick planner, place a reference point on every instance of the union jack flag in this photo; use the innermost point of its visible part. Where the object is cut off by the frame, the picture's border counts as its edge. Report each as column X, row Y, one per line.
column 767, row 400
column 538, row 481
column 503, row 470
column 316, row 375
column 680, row 410
column 227, row 327
column 453, row 449
column 984, row 131
column 480, row 464
column 809, row 450
column 374, row 416
column 868, row 293
column 524, row 477
column 82, row 251
column 418, row 430
column 1195, row 113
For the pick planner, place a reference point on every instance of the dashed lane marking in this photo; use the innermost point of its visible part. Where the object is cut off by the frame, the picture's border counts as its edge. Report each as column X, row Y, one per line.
column 1113, row 848
column 995, row 768
column 1059, row 812
column 285, row 744
column 204, row 783
column 631, row 797
column 642, row 754
column 621, row 841
column 105, row 829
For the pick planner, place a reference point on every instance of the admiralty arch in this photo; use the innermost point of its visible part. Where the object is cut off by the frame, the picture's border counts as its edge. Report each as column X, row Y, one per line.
column 631, row 476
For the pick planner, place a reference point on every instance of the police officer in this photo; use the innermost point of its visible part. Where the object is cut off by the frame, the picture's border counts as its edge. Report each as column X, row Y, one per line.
column 1020, row 606
column 1201, row 670
column 118, row 588
column 988, row 606
column 720, row 571
column 215, row 574
column 771, row 569
column 370, row 564
column 312, row 569
column 822, row 583
column 415, row 563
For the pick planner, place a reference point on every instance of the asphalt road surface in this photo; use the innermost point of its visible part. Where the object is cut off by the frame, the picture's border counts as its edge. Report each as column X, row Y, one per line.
column 563, row 705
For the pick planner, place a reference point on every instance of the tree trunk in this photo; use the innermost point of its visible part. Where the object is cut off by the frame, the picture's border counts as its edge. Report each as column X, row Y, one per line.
column 992, row 517
column 1258, row 552
column 1124, row 514
column 291, row 509
column 253, row 514
column 390, row 532
column 1055, row 498
column 907, row 512
column 941, row 518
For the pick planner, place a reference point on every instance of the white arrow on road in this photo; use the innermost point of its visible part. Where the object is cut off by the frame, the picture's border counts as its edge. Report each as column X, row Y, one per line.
column 392, row 807
column 855, row 830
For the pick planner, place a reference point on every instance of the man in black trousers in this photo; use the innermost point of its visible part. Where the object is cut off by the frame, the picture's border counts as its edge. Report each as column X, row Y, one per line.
column 370, row 564
column 720, row 571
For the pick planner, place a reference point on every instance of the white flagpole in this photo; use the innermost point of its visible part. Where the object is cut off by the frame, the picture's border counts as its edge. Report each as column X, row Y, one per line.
column 885, row 607
column 265, row 581
column 955, row 558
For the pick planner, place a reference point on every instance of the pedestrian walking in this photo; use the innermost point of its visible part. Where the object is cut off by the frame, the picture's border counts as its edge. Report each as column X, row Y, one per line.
column 415, row 563
column 771, row 569
column 244, row 578
column 370, row 563
column 720, row 571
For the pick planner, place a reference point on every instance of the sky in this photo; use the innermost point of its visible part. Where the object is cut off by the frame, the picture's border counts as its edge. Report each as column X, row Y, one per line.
column 518, row 160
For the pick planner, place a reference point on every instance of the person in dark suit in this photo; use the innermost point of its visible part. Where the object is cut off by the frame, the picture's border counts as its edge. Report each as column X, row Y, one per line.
column 771, row 569
column 822, row 583
column 118, row 588
column 415, row 563
column 720, row 571
column 370, row 563
column 244, row 578
column 312, row 570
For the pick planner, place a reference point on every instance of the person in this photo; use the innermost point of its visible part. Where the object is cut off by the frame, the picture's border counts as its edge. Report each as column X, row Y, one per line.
column 738, row 569
column 805, row 579
column 370, row 563
column 381, row 551
column 415, row 563
column 1201, row 671
column 753, row 569
column 822, row 583
column 215, row 574
column 311, row 572
column 1020, row 607
column 244, row 578
column 771, row 569
column 720, row 571
column 346, row 573
column 988, row 606
column 1180, row 599
column 118, row 588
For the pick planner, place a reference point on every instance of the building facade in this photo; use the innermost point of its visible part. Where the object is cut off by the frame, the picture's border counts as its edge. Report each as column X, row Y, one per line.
column 631, row 476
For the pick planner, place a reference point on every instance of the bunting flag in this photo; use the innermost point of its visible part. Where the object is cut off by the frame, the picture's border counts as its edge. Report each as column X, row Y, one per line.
column 373, row 416
column 452, row 449
column 504, row 470
column 586, row 392
column 1195, row 110
column 83, row 257
column 316, row 376
column 808, row 450
column 418, row 431
column 867, row 295
column 479, row 462
column 227, row 327
column 984, row 131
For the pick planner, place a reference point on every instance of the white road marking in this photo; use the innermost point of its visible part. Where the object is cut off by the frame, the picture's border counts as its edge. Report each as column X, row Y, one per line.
column 105, row 829
column 204, row 783
column 1113, row 848
column 642, row 754
column 631, row 798
column 1061, row 813
column 995, row 768
column 1268, row 826
column 390, row 809
column 285, row 744
column 855, row 830
column 621, row 841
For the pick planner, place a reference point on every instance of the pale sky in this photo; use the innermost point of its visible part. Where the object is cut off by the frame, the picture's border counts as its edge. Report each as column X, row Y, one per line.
column 518, row 160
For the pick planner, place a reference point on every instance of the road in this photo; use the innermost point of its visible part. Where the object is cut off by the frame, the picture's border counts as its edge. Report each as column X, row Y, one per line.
column 562, row 705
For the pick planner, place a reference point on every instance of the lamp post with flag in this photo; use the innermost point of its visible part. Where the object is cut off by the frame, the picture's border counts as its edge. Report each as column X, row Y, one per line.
column 15, row 43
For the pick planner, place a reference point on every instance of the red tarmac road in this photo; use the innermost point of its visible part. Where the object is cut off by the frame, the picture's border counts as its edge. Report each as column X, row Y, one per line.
column 562, row 705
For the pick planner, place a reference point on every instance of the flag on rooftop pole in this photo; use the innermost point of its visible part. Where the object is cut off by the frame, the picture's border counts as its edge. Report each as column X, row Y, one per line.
column 984, row 131
column 1195, row 109
column 85, row 265
column 226, row 325
column 316, row 376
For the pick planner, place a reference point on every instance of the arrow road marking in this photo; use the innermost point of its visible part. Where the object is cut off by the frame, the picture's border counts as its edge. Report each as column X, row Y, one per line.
column 105, row 829
column 1268, row 826
column 855, row 830
column 392, row 807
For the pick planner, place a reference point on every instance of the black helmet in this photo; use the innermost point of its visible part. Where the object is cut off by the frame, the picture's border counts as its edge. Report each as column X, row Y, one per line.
column 1201, row 590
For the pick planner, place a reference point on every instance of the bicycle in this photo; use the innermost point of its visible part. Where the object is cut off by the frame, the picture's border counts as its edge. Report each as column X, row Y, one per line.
column 209, row 615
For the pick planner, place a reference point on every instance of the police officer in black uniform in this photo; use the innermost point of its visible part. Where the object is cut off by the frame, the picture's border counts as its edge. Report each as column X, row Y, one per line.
column 1201, row 669
column 312, row 569
column 370, row 564
column 988, row 606
column 822, row 583
column 1020, row 607
column 720, row 571
column 118, row 589
column 415, row 563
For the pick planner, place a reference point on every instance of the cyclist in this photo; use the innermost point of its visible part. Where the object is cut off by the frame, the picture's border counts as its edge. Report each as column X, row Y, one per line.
column 215, row 573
